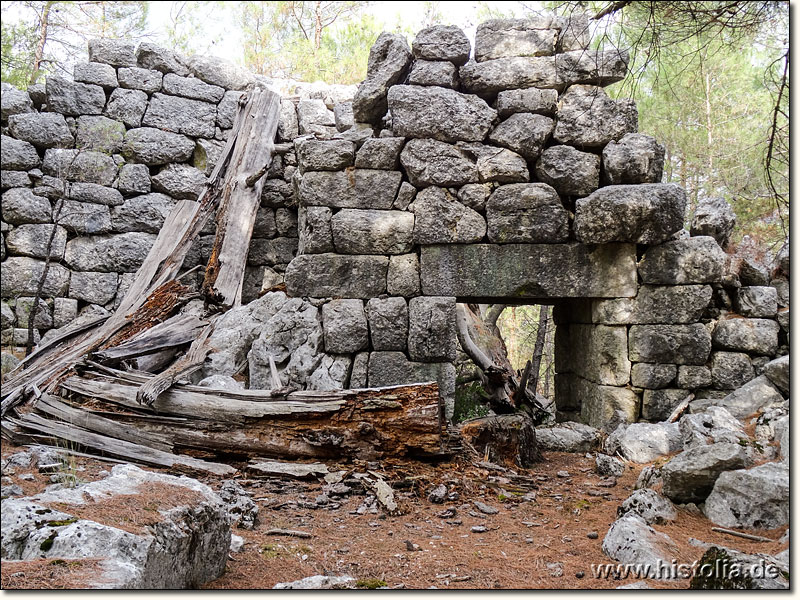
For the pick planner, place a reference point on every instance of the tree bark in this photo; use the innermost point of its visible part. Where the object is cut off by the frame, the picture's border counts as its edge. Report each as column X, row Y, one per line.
column 538, row 348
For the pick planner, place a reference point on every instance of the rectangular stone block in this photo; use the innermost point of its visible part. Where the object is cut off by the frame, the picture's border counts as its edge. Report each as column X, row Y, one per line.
column 599, row 402
column 658, row 404
column 485, row 271
column 675, row 344
column 181, row 115
column 372, row 231
column 432, row 329
column 654, row 304
column 600, row 353
column 343, row 276
column 353, row 188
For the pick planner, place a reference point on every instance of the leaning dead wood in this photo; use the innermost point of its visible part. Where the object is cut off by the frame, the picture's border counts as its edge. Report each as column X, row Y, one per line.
column 746, row 536
column 175, row 331
column 680, row 409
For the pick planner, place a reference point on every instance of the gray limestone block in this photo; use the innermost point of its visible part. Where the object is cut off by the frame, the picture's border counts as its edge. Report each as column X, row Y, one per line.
column 441, row 219
column 388, row 323
column 324, row 155
column 191, row 87
column 635, row 158
column 327, row 275
column 499, row 165
column 95, row 288
column 394, row 368
column 714, row 217
column 17, row 154
column 588, row 118
column 14, row 101
column 151, row 56
column 288, row 126
column 372, row 231
column 133, row 179
column 731, row 370
column 343, row 119
column 526, row 213
column 432, row 329
column 657, row 405
column 524, row 133
column 531, row 100
column 693, row 377
column 156, row 147
column 475, row 195
column 73, row 98
column 442, row 43
column 20, row 276
column 690, row 476
column 653, row 375
column 286, row 222
column 99, row 133
column 96, row 73
column 756, row 301
column 403, row 275
column 65, row 311
column 206, row 154
column 127, row 106
column 655, row 304
column 181, row 181
column 35, row 241
column 44, row 130
column 136, row 78
column 756, row 336
column 439, row 73
column 14, row 179
column 430, row 162
column 123, row 253
column 278, row 251
column 226, row 109
column 21, row 205
column 359, row 188
column 43, row 318
column 345, row 326
column 676, row 344
column 756, row 498
column 406, row 194
column 600, row 353
column 87, row 166
column 692, row 260
column 570, row 171
column 220, row 72
column 98, row 194
column 502, row 38
column 600, row 403
column 145, row 213
column 388, row 63
column 380, row 153
column 314, row 226
column 116, row 53
column 181, row 115
column 314, row 117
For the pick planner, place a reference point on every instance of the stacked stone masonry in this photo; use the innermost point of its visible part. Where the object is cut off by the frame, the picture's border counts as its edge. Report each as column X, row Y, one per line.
column 499, row 173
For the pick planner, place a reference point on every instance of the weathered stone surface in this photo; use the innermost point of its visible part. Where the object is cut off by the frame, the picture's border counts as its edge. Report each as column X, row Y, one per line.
column 676, row 344
column 372, row 231
column 14, row 101
column 653, row 376
column 227, row 108
column 690, row 476
column 743, row 571
column 644, row 442
column 156, row 147
column 324, row 155
column 756, row 301
column 526, row 213
column 380, row 153
column 432, row 329
column 532, row 100
column 127, row 106
column 430, row 162
column 523, row 133
column 403, row 275
column 206, row 154
column 314, row 117
column 72, row 98
column 20, row 276
column 181, row 115
column 644, row 214
column 142, row 213
column 326, row 275
column 191, row 87
column 570, row 171
column 591, row 67
column 777, row 371
column 713, row 425
column 781, row 286
column 24, row 308
column 440, row 73
column 150, row 56
column 568, row 437
column 751, row 397
column 731, row 370
column 180, row 181
column 219, row 72
column 116, row 53
column 99, row 133
column 345, row 326
column 136, row 78
column 475, row 195
column 498, row 164
column 654, row 304
column 588, row 118
column 45, row 130
column 331, row 374
column 32, row 240
column 278, row 251
column 95, row 288
column 17, row 154
column 442, row 43
column 636, row 158
column 439, row 113
column 600, row 404
column 276, row 192
column 286, row 222
column 388, row 62
column 657, row 405
column 388, row 323
column 318, row 582
column 314, row 224
column 599, row 353
column 693, row 377
column 97, row 73
column 501, row 38
column 342, row 116
column 394, row 368
column 109, row 254
column 80, row 165
column 21, row 205
column 288, row 125
column 529, row 271
column 631, row 541
column 693, row 260
column 359, row 188
column 441, row 219
column 757, row 336
column 14, row 179
column 714, row 217
column 650, row 506
column 132, row 179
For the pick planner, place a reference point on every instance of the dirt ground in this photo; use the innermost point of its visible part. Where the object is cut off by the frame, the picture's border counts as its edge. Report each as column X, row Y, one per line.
column 544, row 538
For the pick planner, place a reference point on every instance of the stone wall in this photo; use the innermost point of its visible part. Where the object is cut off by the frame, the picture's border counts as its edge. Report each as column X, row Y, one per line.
column 513, row 177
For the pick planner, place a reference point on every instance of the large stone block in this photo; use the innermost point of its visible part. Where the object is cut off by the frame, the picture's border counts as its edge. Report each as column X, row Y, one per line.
column 570, row 171
column 443, row 43
column 21, row 205
column 97, row 73
column 278, row 251
column 439, row 113
column 388, row 63
column 43, row 318
column 531, row 100
column 17, row 155
column 219, row 72
column 156, row 147
column 95, row 288
column 675, row 344
column 35, row 241
column 657, row 405
column 653, row 376
column 192, row 87
column 372, row 231
column 181, row 115
column 643, row 214
column 636, row 158
column 654, row 304
column 100, row 194
column 432, row 329
column 714, row 217
column 440, row 73
column 529, row 271
column 394, row 368
column 524, row 133
column 526, row 213
column 757, row 336
column 20, row 276
column 142, row 213
column 777, row 371
column 403, row 275
column 127, row 106
column 357, row 188
column 693, row 377
column 756, row 498
column 430, row 162
column 116, row 53
column 600, row 353
column 388, row 323
column 692, row 260
column 588, row 118
column 227, row 109
column 441, row 219
column 324, row 155
column 150, row 56
column 314, row 226
column 72, row 98
column 44, row 130
column 690, row 476
column 345, row 326
column 502, row 38
column 182, row 182
column 123, row 253
column 498, row 164
column 136, row 78
column 750, row 398
column 756, row 301
column 84, row 217
column 99, row 133
column 380, row 153
column 731, row 370
column 600, row 403
column 80, row 165
column 326, row 275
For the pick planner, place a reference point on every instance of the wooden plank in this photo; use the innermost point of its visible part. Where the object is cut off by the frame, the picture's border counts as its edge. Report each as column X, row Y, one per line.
column 175, row 331
column 287, row 469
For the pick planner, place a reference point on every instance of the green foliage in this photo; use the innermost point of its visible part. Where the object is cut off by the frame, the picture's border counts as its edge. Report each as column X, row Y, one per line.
column 370, row 584
column 470, row 402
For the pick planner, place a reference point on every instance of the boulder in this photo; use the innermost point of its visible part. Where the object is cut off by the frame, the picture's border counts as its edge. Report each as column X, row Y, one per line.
column 17, row 154
column 568, row 437
column 432, row 329
column 441, row 219
column 730, row 370
column 690, row 476
column 439, row 73
column 127, row 106
column 388, row 62
column 85, row 217
column 756, row 498
column 315, row 118
column 675, row 344
column 37, row 241
column 711, row 426
column 439, row 113
column 345, row 326
column 524, row 133
column 650, row 506
column 588, row 118
column 219, row 72
column 692, row 260
column 21, row 205
column 380, row 153
column 653, row 376
column 526, row 212
column 324, row 155
column 156, row 147
column 644, row 442
column 109, row 254
column 191, row 87
column 777, row 371
column 356, row 188
column 499, row 165
column 116, row 53
column 181, row 115
column 442, row 43
column 430, row 162
column 636, row 158
column 714, row 217
column 643, row 214
column 99, row 133
column 20, row 276
column 756, row 301
column 570, row 171
column 608, row 466
column 631, row 541
column 326, row 275
column 72, row 98
column 531, row 100
column 318, row 582
column 44, row 130
column 756, row 336
column 751, row 397
column 136, row 78
column 388, row 323
column 501, row 38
